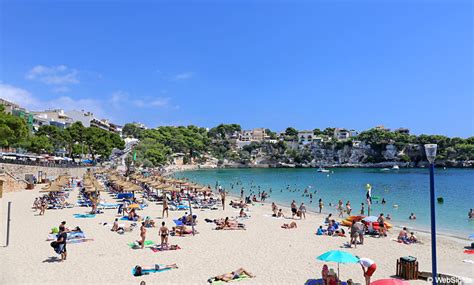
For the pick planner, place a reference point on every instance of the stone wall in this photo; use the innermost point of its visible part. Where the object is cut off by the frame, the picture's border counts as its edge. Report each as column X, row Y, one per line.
column 14, row 174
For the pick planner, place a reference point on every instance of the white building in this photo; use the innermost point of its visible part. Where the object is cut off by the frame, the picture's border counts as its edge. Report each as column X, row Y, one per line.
column 305, row 137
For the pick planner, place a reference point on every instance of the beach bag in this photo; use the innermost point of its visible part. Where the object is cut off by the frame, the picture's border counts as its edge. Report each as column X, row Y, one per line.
column 54, row 244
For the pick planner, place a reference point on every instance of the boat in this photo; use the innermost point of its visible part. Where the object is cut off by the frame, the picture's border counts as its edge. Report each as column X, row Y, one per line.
column 395, row 167
column 322, row 170
column 385, row 169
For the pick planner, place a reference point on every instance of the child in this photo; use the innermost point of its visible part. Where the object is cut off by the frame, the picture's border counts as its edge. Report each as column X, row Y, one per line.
column 320, row 231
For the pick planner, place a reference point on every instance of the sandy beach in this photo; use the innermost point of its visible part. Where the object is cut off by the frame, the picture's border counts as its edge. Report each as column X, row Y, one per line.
column 273, row 254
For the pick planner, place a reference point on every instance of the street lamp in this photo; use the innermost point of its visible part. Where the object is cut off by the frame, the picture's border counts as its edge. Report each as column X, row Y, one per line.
column 430, row 150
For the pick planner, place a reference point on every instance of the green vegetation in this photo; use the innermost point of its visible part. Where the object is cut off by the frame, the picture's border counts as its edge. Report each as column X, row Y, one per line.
column 158, row 146
column 74, row 140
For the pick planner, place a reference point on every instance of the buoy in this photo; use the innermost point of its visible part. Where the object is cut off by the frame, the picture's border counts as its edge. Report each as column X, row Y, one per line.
column 440, row 200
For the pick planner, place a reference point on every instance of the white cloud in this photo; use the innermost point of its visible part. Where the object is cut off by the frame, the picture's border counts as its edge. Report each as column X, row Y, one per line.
column 53, row 75
column 17, row 95
column 25, row 99
column 61, row 89
column 118, row 98
column 160, row 102
column 183, row 76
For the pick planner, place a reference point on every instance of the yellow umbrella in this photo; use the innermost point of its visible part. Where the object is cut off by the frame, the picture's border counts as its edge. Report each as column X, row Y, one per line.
column 134, row 206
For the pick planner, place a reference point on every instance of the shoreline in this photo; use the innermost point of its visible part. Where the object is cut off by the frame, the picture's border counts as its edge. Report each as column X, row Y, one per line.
column 395, row 225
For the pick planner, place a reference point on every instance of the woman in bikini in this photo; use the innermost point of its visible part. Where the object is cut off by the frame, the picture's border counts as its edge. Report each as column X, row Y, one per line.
column 165, row 207
column 164, row 232
column 143, row 234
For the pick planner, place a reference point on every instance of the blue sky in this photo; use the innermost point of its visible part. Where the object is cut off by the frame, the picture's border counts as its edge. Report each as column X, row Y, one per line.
column 306, row 64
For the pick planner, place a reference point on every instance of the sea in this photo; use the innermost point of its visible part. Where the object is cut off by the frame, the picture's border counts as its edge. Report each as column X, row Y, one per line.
column 405, row 191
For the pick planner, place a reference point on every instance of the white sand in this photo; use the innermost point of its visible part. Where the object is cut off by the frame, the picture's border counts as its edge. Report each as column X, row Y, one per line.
column 274, row 255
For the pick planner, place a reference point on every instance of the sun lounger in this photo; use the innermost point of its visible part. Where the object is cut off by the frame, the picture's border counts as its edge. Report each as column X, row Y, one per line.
column 108, row 206
column 83, row 216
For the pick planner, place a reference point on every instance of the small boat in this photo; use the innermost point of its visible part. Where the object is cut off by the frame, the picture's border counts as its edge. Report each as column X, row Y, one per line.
column 385, row 169
column 322, row 170
column 395, row 167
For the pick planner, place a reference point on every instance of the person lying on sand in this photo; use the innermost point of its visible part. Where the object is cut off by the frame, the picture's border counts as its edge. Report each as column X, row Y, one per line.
column 139, row 271
column 292, row 225
column 226, row 277
column 229, row 225
column 182, row 230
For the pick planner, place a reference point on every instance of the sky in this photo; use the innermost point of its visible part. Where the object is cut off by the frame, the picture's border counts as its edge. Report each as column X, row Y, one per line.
column 274, row 64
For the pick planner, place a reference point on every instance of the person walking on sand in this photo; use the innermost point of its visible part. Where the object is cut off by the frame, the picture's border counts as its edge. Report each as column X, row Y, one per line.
column 371, row 267
column 321, row 205
column 142, row 235
column 165, row 207
column 163, row 232
column 43, row 207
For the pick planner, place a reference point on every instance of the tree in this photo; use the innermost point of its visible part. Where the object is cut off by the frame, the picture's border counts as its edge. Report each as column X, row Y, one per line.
column 132, row 130
column 40, row 144
column 13, row 130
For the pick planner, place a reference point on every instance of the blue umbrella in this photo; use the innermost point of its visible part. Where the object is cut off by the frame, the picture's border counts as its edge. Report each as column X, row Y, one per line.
column 471, row 236
column 339, row 257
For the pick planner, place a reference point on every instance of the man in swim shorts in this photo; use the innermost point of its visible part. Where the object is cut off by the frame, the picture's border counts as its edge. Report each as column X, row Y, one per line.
column 371, row 267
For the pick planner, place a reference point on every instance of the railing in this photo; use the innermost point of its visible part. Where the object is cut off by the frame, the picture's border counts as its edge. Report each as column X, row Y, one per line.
column 44, row 164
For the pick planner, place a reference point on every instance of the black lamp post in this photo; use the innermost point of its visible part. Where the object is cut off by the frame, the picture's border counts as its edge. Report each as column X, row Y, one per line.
column 430, row 150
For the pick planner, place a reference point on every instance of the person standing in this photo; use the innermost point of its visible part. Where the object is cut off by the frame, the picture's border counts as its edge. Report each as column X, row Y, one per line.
column 223, row 199
column 362, row 209
column 142, row 235
column 165, row 207
column 61, row 241
column 340, row 208
column 302, row 210
column 242, row 193
column 294, row 209
column 348, row 208
column 163, row 232
column 321, row 205
column 381, row 221
column 371, row 267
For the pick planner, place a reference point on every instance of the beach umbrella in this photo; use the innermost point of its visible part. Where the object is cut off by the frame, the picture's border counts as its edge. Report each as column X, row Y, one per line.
column 134, row 206
column 471, row 236
column 370, row 219
column 389, row 281
column 339, row 257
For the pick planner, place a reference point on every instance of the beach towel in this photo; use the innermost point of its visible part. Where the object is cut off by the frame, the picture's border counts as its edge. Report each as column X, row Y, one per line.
column 135, row 244
column 178, row 222
column 148, row 271
column 469, row 251
column 158, row 248
column 78, row 240
column 83, row 216
column 214, row 281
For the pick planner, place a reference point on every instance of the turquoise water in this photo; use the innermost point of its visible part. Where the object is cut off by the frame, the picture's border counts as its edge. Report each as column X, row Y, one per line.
column 407, row 188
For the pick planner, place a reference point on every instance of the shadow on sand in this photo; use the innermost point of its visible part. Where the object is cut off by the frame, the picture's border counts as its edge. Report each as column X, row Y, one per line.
column 52, row 259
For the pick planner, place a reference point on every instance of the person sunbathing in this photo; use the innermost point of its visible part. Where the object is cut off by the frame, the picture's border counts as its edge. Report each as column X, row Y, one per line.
column 242, row 214
column 226, row 277
column 149, row 223
column 139, row 271
column 230, row 225
column 292, row 225
column 403, row 236
column 182, row 230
